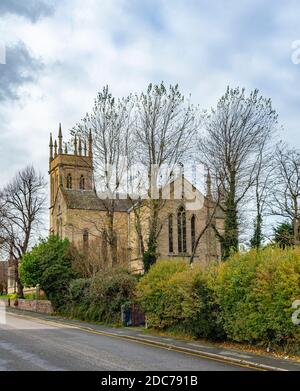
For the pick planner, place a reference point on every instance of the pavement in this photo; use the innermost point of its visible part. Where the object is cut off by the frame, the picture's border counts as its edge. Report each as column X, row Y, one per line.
column 31, row 341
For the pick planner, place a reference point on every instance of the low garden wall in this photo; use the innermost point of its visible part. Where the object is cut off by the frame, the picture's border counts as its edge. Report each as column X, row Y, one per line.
column 41, row 306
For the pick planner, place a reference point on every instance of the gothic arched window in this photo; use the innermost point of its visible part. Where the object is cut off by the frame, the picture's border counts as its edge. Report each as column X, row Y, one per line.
column 181, row 227
column 82, row 183
column 193, row 231
column 69, row 181
column 170, row 226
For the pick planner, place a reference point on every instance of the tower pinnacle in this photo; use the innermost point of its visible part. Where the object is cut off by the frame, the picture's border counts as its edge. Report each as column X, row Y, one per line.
column 51, row 147
column 60, row 151
column 55, row 148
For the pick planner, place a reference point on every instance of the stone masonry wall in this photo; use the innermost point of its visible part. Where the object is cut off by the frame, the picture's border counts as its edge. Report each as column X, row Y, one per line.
column 42, row 306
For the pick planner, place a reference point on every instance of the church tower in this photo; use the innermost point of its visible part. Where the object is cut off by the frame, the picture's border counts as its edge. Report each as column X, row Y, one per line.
column 69, row 172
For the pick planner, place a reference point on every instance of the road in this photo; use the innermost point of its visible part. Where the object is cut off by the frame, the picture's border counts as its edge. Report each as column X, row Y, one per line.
column 34, row 344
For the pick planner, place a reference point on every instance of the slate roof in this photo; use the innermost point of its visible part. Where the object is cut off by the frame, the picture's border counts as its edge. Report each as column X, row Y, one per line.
column 88, row 200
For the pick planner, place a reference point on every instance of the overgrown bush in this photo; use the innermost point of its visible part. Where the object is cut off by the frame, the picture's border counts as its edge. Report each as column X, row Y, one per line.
column 165, row 293
column 79, row 291
column 256, row 291
column 246, row 299
column 99, row 299
column 109, row 290
column 207, row 320
column 49, row 265
column 179, row 297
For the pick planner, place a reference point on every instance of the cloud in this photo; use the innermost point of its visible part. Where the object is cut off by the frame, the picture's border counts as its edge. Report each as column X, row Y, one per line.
column 202, row 45
column 61, row 53
column 31, row 9
column 20, row 69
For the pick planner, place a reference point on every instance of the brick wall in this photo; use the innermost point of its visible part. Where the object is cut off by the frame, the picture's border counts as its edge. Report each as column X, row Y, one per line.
column 42, row 306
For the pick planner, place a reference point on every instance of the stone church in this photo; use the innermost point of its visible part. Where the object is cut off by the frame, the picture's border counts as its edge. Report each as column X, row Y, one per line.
column 77, row 213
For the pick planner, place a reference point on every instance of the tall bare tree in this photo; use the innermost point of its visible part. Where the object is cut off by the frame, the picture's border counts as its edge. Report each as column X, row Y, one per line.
column 285, row 201
column 109, row 123
column 213, row 205
column 263, row 183
column 164, row 133
column 234, row 133
column 22, row 204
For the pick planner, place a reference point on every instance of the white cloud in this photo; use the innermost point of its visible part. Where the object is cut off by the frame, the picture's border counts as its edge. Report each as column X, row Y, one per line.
column 201, row 46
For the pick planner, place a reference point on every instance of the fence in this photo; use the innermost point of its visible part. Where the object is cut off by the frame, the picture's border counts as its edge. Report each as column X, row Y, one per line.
column 132, row 315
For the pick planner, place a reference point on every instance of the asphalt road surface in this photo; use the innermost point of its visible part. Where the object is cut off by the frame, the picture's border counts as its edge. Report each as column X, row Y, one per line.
column 34, row 344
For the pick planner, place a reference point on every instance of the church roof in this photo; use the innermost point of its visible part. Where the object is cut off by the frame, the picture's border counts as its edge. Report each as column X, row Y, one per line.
column 88, row 200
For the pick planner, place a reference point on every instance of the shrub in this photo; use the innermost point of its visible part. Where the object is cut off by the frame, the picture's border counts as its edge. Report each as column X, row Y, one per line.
column 109, row 291
column 179, row 297
column 79, row 291
column 284, row 234
column 49, row 265
column 166, row 293
column 207, row 320
column 256, row 291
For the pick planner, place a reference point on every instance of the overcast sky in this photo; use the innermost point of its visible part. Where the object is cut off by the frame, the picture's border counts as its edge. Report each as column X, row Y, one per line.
column 59, row 53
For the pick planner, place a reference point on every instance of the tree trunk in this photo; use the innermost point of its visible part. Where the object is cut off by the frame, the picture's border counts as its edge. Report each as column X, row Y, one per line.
column 150, row 256
column 112, row 239
column 256, row 241
column 231, row 242
column 296, row 222
column 20, row 288
column 296, row 231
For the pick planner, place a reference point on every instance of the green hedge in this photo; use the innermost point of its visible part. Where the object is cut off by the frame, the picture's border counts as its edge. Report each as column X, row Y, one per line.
column 99, row 299
column 245, row 299
column 176, row 296
column 256, row 291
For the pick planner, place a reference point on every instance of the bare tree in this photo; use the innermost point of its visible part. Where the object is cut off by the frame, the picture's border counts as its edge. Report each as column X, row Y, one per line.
column 234, row 133
column 164, row 135
column 109, row 123
column 152, row 129
column 285, row 201
column 21, row 208
column 263, row 182
column 213, row 206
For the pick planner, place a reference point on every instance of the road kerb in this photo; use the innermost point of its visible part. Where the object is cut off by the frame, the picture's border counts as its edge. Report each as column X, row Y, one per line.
column 163, row 345
column 195, row 352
